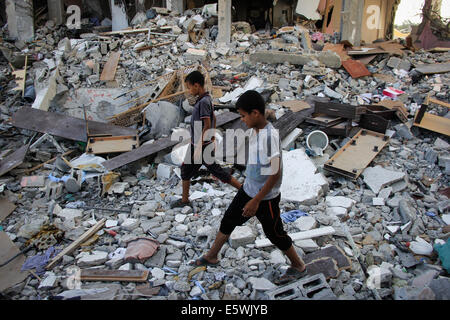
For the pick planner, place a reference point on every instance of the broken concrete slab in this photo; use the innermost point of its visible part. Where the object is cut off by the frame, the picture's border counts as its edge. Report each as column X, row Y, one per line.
column 339, row 201
column 377, row 177
column 304, row 186
column 241, row 236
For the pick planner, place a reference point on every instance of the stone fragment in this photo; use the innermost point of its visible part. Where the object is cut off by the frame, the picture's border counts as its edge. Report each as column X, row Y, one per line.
column 241, row 236
column 377, row 177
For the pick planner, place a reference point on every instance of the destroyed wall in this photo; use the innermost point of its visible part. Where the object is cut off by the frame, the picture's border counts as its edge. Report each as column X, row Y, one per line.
column 377, row 21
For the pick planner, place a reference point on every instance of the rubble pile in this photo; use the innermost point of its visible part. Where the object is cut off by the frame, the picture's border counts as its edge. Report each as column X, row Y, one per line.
column 386, row 229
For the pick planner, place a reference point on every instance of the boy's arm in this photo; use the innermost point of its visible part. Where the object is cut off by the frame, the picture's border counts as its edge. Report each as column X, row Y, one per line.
column 252, row 206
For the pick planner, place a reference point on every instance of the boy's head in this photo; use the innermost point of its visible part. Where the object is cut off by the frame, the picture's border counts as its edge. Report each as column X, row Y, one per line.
column 195, row 82
column 251, row 107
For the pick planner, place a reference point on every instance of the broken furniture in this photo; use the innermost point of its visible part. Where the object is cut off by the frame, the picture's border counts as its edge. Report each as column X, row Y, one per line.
column 430, row 121
column 356, row 154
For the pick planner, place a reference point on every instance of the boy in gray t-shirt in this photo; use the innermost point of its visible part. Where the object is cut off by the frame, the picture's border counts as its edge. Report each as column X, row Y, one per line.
column 202, row 120
column 260, row 195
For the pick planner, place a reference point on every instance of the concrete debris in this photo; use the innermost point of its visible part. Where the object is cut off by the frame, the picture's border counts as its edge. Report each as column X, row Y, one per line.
column 396, row 213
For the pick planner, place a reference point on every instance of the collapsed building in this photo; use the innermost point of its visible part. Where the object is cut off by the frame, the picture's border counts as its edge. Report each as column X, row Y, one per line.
column 88, row 167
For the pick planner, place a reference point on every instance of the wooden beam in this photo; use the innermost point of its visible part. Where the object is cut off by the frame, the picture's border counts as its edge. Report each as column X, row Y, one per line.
column 69, row 249
column 114, row 275
column 109, row 71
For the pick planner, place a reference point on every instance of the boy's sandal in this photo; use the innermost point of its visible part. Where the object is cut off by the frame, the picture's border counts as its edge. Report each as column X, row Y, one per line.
column 291, row 274
column 203, row 262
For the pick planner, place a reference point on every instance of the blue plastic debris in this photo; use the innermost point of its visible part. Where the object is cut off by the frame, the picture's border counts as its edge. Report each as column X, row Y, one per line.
column 293, row 215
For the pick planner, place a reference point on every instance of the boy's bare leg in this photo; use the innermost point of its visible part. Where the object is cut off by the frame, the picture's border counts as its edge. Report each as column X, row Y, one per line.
column 296, row 261
column 185, row 196
column 211, row 255
column 235, row 183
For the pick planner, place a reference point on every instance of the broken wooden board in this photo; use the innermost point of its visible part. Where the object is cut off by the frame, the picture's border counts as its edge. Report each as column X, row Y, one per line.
column 114, row 275
column 84, row 237
column 109, row 70
column 351, row 160
column 436, row 101
column 374, row 122
column 340, row 110
column 295, row 105
column 64, row 126
column 10, row 274
column 334, row 252
column 99, row 145
column 291, row 120
column 432, row 122
column 32, row 181
column 6, row 208
column 324, row 120
column 161, row 144
column 356, row 68
column 325, row 265
column 13, row 160
column 314, row 233
column 433, row 68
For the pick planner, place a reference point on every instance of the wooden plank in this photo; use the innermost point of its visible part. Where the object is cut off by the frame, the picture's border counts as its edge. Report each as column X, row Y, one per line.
column 340, row 129
column 98, row 145
column 356, row 154
column 123, row 32
column 6, row 208
column 356, row 68
column 64, row 126
column 439, row 102
column 69, row 249
column 114, row 275
column 314, row 233
column 109, row 70
column 10, row 274
column 433, row 68
column 291, row 120
column 161, row 144
column 434, row 123
column 13, row 160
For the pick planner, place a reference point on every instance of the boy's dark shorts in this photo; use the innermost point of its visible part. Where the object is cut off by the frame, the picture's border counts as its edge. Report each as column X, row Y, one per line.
column 268, row 214
column 191, row 169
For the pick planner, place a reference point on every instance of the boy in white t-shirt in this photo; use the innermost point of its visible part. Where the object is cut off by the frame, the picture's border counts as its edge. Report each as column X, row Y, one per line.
column 260, row 194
